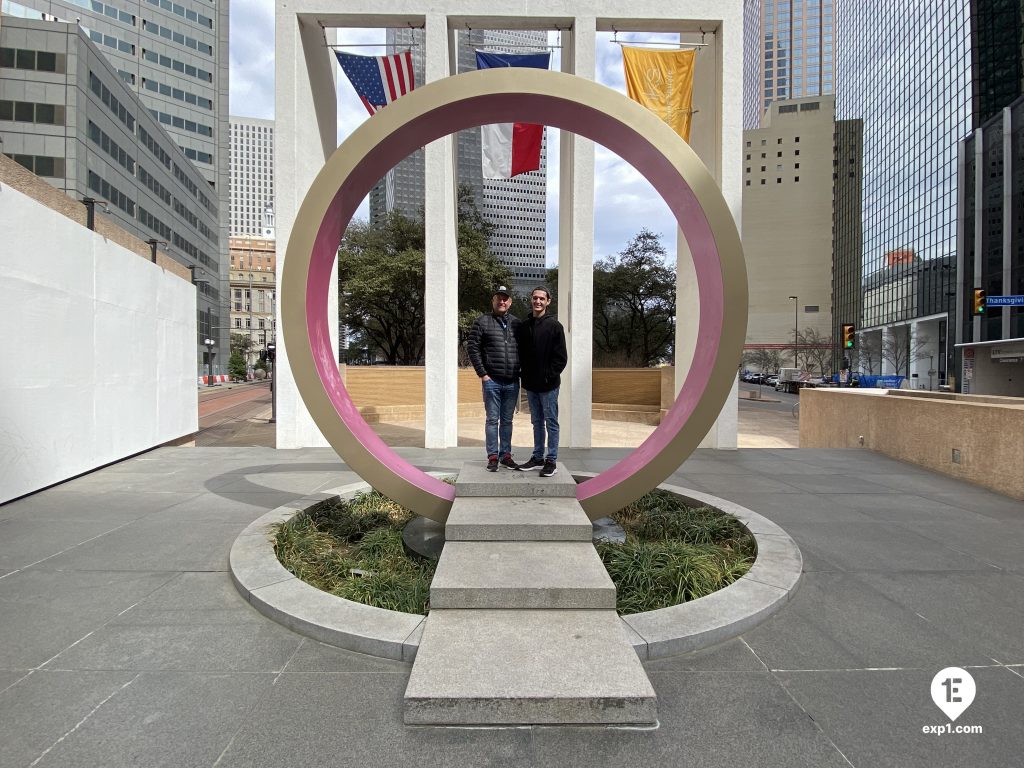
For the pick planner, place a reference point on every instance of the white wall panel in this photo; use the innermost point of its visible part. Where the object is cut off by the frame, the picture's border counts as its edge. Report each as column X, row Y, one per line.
column 99, row 350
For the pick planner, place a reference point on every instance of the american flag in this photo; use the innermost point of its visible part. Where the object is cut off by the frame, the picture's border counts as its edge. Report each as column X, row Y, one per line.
column 378, row 80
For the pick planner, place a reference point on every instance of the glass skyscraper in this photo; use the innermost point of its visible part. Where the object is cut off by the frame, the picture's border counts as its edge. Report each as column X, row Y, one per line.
column 911, row 94
column 788, row 53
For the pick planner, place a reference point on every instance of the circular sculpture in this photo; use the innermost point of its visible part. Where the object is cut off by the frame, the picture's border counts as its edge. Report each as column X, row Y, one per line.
column 522, row 95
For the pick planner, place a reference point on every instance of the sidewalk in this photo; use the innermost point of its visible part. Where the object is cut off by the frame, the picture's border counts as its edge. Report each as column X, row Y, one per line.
column 123, row 641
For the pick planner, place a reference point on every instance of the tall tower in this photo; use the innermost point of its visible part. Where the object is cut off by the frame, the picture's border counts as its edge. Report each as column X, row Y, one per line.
column 788, row 53
column 252, row 177
column 516, row 207
column 908, row 111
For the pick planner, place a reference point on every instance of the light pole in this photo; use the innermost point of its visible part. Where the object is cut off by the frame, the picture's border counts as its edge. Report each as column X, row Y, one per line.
column 796, row 329
column 209, row 360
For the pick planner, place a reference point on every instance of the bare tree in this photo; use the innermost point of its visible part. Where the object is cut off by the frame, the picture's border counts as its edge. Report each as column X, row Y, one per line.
column 816, row 350
column 867, row 353
column 899, row 349
column 765, row 360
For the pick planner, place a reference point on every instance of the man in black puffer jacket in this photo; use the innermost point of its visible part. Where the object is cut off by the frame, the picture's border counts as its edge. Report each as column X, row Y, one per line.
column 542, row 352
column 495, row 357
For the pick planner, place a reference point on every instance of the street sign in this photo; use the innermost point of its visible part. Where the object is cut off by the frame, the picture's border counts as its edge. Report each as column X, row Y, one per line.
column 1005, row 301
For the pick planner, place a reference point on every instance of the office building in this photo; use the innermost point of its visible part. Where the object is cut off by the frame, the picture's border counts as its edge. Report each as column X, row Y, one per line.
column 69, row 117
column 174, row 57
column 787, row 229
column 788, row 53
column 517, row 208
column 252, row 178
column 253, row 293
column 990, row 331
column 912, row 109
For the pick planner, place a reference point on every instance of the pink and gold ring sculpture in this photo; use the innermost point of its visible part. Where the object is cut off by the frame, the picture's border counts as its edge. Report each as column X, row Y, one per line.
column 526, row 95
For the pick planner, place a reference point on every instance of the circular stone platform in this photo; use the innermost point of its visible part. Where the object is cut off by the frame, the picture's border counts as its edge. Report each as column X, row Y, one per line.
column 724, row 614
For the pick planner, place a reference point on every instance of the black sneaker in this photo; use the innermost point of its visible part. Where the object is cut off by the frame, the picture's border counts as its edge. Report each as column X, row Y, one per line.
column 492, row 463
column 533, row 463
column 507, row 462
column 549, row 469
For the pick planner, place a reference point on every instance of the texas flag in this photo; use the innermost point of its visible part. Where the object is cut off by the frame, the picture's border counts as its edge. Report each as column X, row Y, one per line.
column 508, row 149
column 378, row 80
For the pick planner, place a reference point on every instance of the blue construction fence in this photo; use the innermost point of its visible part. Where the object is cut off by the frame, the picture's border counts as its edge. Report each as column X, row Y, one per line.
column 879, row 382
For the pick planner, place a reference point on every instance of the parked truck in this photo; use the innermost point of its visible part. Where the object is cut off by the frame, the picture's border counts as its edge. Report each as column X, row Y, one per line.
column 792, row 379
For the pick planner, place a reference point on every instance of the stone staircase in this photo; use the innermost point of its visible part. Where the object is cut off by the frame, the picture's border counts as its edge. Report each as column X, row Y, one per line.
column 522, row 627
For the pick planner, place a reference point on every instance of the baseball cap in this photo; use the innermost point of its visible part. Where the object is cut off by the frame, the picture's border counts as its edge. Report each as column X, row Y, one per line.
column 501, row 289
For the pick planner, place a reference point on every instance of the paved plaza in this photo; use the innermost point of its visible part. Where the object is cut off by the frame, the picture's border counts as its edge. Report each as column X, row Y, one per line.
column 124, row 642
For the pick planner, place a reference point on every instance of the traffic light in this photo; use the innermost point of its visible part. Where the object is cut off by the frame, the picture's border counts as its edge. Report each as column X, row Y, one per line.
column 271, row 351
column 849, row 336
column 978, row 307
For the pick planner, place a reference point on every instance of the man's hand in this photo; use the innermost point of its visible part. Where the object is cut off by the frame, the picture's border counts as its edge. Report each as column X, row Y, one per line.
column 485, row 377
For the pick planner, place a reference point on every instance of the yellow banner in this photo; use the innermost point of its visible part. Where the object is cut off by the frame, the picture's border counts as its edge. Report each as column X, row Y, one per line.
column 663, row 82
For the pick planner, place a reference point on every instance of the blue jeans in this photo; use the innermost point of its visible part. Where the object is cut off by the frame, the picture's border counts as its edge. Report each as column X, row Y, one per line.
column 544, row 413
column 500, row 402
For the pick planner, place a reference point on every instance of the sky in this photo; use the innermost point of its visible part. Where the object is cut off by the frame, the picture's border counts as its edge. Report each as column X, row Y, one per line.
column 623, row 200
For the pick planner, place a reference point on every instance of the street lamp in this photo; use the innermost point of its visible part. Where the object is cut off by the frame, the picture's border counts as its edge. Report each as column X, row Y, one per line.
column 796, row 328
column 209, row 360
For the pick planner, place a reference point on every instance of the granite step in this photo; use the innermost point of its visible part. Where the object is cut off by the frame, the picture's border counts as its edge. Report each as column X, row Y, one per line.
column 521, row 574
column 501, row 667
column 486, row 518
column 475, row 480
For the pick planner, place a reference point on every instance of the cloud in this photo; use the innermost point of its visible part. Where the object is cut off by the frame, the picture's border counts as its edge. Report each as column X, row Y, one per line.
column 251, row 92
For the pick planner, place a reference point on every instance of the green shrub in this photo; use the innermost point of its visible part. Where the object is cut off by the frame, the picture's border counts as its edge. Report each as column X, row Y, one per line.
column 354, row 550
column 673, row 553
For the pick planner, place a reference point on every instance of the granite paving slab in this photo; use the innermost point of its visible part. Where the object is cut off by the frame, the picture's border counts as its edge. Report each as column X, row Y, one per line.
column 521, row 574
column 729, row 656
column 156, row 721
column 502, row 667
column 707, row 719
column 995, row 542
column 880, row 546
column 984, row 611
column 113, row 506
column 45, row 706
column 356, row 720
column 25, row 540
column 44, row 612
column 877, row 717
column 475, row 480
column 316, row 658
column 155, row 544
column 486, row 518
column 837, row 621
column 184, row 643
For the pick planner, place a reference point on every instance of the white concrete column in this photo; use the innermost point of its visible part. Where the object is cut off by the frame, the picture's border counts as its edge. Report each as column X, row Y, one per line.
column 716, row 134
column 918, row 332
column 1008, row 217
column 306, row 109
column 441, row 291
column 889, row 337
column 576, row 250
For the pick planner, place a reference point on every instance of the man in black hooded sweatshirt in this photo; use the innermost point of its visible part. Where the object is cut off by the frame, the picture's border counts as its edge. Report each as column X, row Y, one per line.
column 543, row 357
